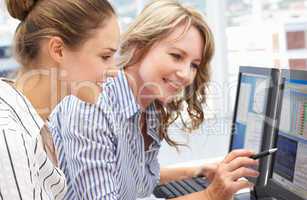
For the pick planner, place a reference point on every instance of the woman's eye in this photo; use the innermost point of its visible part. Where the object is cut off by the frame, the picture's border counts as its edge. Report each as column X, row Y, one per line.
column 195, row 66
column 106, row 57
column 176, row 56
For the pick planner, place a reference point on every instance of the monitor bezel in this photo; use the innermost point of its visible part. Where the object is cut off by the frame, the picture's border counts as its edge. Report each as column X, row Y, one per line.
column 273, row 73
column 275, row 189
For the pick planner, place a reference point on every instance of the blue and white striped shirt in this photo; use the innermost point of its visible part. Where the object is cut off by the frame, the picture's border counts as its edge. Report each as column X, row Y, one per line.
column 101, row 148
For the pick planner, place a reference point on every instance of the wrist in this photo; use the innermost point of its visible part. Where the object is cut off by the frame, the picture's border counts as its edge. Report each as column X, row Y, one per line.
column 207, row 194
column 190, row 172
column 199, row 171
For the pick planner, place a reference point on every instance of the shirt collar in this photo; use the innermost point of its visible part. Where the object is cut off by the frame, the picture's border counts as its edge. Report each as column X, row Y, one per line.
column 153, row 123
column 129, row 106
column 127, row 101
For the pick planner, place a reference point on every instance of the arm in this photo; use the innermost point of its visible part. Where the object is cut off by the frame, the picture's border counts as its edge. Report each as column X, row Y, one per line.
column 51, row 179
column 15, row 181
column 86, row 148
column 202, row 195
column 168, row 174
column 226, row 181
column 24, row 166
column 90, row 148
column 177, row 173
column 18, row 152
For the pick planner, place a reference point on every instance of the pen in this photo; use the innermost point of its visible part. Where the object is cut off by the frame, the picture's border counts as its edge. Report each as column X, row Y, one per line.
column 256, row 156
column 264, row 153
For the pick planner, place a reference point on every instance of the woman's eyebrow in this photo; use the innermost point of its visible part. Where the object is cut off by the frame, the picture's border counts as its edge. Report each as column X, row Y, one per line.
column 111, row 49
column 181, row 50
column 185, row 53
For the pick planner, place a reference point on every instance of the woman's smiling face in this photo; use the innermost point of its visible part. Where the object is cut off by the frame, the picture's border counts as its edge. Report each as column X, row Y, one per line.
column 171, row 64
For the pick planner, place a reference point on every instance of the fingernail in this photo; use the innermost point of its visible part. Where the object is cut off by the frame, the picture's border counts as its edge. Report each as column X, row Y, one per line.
column 257, row 173
column 250, row 151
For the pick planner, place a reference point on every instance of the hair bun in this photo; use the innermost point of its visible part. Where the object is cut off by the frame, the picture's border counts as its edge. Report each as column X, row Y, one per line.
column 19, row 9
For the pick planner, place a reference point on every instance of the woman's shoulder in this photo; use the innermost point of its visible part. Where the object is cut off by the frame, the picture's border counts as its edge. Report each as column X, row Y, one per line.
column 60, row 113
column 5, row 86
column 72, row 105
column 17, row 112
column 73, row 113
column 20, row 125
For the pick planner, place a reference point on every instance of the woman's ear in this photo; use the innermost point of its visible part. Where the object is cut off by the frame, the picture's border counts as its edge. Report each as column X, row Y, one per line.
column 56, row 48
column 138, row 52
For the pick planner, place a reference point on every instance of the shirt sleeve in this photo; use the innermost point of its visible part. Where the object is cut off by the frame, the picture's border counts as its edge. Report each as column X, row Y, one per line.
column 152, row 174
column 15, row 174
column 88, row 147
column 51, row 178
column 25, row 169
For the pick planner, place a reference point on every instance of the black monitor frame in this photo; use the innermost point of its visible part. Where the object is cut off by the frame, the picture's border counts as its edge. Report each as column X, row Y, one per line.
column 273, row 188
column 270, row 113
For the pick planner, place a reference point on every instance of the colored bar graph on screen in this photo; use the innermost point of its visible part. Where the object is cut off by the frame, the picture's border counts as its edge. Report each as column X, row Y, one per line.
column 300, row 118
column 305, row 121
column 299, row 109
column 294, row 112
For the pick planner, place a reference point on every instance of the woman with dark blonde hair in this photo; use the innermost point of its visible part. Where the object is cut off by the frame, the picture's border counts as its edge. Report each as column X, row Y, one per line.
column 110, row 148
column 64, row 47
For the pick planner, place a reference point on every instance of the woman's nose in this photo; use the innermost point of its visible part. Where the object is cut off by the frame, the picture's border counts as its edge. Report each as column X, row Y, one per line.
column 185, row 74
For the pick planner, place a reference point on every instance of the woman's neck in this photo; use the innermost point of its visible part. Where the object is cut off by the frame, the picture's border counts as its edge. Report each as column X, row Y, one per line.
column 43, row 91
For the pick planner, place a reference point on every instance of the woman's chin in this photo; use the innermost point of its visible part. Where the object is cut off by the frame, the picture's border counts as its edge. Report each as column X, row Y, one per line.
column 167, row 99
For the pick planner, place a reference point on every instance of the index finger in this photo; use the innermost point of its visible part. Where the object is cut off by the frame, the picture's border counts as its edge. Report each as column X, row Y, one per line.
column 237, row 153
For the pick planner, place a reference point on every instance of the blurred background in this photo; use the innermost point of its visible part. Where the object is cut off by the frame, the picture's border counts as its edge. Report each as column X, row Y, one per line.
column 264, row 33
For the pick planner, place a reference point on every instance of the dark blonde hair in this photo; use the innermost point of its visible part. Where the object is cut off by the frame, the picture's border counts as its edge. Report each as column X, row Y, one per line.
column 157, row 21
column 71, row 20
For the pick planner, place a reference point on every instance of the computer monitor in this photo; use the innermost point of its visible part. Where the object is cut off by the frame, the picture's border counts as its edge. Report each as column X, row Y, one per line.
column 255, row 107
column 289, row 170
column 253, row 112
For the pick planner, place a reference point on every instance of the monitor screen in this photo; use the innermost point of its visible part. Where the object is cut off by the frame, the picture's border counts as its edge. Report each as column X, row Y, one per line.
column 251, row 111
column 290, row 165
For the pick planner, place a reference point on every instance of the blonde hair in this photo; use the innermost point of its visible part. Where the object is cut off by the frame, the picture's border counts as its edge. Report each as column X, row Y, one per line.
column 71, row 20
column 157, row 20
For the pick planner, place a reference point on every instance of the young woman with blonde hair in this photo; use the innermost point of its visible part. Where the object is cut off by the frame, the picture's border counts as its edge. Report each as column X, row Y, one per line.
column 109, row 149
column 63, row 48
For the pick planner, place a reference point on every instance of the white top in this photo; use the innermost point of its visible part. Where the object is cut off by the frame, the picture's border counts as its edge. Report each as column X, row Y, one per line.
column 25, row 171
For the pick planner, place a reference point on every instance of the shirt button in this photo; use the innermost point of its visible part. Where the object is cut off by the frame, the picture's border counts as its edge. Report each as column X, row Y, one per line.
column 141, row 164
column 139, row 189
